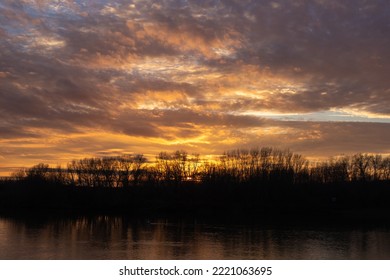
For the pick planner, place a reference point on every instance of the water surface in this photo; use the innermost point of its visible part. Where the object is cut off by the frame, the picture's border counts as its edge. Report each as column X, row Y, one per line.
column 107, row 237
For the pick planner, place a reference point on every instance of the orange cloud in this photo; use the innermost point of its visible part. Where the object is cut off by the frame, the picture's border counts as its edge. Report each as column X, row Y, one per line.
column 106, row 77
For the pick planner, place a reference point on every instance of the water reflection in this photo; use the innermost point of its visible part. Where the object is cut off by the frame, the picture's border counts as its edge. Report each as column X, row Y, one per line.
column 106, row 237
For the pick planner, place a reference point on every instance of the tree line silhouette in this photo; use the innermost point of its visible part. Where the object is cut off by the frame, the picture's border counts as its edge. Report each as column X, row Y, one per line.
column 258, row 166
column 258, row 182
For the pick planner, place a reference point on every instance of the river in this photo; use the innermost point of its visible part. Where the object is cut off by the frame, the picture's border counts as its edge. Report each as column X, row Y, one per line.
column 110, row 237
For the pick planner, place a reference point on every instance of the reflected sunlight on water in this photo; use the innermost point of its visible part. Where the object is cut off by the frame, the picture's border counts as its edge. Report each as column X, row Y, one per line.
column 106, row 237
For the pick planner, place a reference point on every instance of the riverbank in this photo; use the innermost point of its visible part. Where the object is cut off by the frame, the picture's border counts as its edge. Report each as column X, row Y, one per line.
column 353, row 202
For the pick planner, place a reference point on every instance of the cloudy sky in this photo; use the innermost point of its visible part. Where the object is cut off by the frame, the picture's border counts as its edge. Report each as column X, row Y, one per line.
column 93, row 78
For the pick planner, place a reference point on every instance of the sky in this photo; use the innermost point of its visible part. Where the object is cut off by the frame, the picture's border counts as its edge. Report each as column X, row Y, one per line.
column 100, row 78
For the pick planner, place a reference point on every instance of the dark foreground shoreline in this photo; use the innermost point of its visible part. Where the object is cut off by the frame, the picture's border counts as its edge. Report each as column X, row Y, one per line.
column 351, row 203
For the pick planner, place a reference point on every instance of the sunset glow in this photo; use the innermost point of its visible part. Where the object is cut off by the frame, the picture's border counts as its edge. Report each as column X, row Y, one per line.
column 95, row 78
